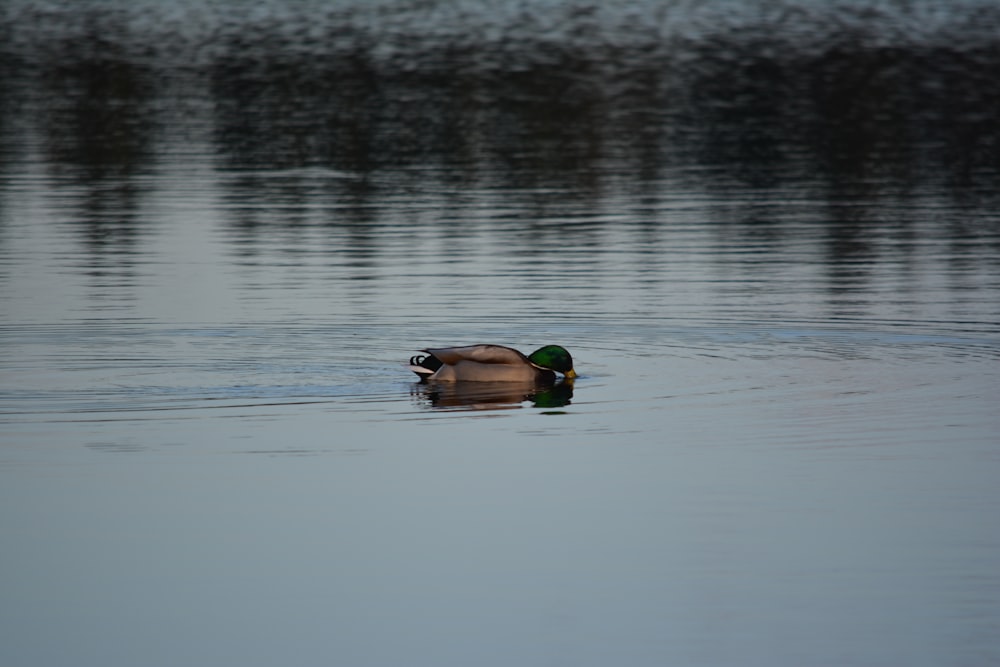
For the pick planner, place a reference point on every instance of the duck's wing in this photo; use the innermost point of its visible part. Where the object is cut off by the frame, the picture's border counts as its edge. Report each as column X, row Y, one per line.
column 483, row 354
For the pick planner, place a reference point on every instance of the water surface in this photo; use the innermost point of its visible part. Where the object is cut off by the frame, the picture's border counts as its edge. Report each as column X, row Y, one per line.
column 767, row 233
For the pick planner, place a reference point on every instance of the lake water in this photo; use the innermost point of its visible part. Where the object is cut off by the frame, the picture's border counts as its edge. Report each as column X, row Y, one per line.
column 769, row 233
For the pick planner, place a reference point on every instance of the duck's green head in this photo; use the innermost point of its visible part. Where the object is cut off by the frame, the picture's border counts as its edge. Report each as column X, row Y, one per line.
column 554, row 357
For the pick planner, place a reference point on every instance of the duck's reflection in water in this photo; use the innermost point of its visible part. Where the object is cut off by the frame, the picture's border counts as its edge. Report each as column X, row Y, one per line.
column 493, row 395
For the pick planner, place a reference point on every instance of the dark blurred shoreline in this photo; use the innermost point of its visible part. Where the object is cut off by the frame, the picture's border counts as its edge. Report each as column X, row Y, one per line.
column 856, row 90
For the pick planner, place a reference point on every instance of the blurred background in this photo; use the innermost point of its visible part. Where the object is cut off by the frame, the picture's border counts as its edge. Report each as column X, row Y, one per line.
column 849, row 102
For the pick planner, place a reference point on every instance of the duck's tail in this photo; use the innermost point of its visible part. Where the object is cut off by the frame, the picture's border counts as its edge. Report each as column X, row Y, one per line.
column 424, row 366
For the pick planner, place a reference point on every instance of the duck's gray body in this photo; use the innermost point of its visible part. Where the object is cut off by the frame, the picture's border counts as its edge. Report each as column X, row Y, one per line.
column 478, row 363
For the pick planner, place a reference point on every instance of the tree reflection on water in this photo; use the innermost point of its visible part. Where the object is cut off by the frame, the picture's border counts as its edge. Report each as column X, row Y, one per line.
column 853, row 104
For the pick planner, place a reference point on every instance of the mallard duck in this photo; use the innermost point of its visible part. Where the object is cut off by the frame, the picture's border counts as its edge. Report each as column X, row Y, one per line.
column 492, row 363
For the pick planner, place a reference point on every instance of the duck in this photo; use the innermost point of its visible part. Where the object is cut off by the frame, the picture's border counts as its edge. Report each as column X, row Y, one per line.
column 493, row 363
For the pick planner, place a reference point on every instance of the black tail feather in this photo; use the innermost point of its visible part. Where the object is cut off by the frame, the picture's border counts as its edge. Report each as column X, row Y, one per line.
column 430, row 362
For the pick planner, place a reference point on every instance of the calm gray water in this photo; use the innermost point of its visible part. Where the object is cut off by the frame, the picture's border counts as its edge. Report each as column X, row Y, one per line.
column 768, row 233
